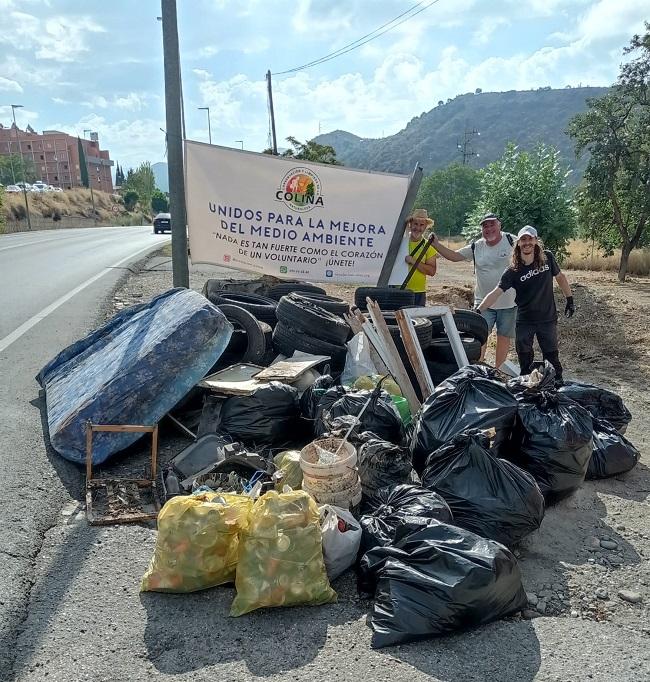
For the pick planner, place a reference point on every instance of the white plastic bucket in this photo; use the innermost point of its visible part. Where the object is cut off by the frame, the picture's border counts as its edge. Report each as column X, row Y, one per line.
column 346, row 498
column 331, row 478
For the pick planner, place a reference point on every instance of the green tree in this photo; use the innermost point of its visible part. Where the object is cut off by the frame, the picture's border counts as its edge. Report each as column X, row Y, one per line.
column 449, row 195
column 159, row 202
column 13, row 168
column 614, row 200
column 311, row 151
column 83, row 167
column 527, row 188
column 142, row 181
column 131, row 198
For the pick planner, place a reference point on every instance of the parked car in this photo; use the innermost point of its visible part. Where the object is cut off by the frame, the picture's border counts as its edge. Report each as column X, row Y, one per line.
column 162, row 223
column 13, row 188
column 56, row 189
column 40, row 186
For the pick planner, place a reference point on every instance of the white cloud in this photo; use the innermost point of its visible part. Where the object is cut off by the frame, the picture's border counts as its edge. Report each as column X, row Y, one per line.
column 96, row 102
column 9, row 85
column 58, row 38
column 134, row 101
column 129, row 141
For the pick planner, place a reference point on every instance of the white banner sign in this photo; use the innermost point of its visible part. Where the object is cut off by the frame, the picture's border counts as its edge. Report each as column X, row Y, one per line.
column 282, row 217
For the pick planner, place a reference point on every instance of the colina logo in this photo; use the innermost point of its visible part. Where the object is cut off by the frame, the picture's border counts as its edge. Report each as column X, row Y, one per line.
column 300, row 190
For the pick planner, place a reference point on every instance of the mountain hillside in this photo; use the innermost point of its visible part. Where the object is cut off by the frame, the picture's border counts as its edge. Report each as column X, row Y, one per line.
column 160, row 174
column 524, row 117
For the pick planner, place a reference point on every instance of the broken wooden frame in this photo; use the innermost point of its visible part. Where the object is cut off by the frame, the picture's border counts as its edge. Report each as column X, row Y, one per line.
column 112, row 485
column 405, row 318
column 380, row 337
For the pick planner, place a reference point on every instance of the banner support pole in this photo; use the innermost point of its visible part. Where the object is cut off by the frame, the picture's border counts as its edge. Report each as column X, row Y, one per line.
column 393, row 248
column 175, row 139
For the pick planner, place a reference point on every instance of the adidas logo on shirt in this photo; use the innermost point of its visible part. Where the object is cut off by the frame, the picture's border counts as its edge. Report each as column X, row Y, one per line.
column 533, row 273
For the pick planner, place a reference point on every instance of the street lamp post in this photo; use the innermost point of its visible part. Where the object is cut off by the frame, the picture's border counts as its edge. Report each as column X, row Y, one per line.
column 209, row 128
column 241, row 142
column 22, row 162
column 90, row 181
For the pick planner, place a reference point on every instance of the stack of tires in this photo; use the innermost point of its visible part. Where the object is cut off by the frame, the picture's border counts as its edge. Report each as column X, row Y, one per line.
column 439, row 354
column 305, row 326
column 254, row 318
column 388, row 298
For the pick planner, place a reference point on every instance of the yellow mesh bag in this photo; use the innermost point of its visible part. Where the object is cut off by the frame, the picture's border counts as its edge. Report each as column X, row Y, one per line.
column 198, row 542
column 281, row 555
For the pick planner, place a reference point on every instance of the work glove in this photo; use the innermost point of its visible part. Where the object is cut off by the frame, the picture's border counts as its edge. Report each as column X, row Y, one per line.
column 569, row 308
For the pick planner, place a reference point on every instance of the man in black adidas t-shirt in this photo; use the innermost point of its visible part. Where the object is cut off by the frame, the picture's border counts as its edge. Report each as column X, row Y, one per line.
column 531, row 275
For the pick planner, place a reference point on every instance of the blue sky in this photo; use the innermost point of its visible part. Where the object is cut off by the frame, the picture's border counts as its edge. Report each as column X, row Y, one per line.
column 98, row 65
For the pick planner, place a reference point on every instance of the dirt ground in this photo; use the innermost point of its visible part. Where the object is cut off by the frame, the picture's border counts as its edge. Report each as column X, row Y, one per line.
column 567, row 572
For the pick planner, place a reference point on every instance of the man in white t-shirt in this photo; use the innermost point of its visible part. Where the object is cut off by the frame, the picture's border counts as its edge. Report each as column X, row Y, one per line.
column 491, row 254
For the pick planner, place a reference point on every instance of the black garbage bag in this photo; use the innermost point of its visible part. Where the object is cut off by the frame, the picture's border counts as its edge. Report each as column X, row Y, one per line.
column 542, row 379
column 612, row 454
column 487, row 495
column 267, row 416
column 382, row 464
column 466, row 400
column 440, row 579
column 325, row 401
column 405, row 506
column 599, row 402
column 311, row 396
column 552, row 439
column 381, row 416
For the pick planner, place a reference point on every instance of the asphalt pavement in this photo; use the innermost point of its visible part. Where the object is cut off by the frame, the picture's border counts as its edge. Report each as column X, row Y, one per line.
column 54, row 284
column 70, row 607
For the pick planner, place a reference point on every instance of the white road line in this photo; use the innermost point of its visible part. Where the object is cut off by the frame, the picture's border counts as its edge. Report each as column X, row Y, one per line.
column 35, row 319
column 35, row 242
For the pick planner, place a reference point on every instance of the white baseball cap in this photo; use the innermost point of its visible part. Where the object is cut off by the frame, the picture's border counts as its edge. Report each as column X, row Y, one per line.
column 527, row 229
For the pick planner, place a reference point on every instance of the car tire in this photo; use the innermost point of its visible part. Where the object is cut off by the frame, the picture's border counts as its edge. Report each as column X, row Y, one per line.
column 244, row 320
column 300, row 313
column 388, row 298
column 440, row 349
column 330, row 303
column 277, row 291
column 439, row 371
column 286, row 340
column 468, row 322
column 421, row 325
column 262, row 308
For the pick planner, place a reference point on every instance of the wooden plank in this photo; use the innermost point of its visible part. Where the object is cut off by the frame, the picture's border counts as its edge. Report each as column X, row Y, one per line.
column 89, row 451
column 392, row 357
column 122, row 428
column 398, row 234
column 414, row 352
column 154, row 453
column 377, row 351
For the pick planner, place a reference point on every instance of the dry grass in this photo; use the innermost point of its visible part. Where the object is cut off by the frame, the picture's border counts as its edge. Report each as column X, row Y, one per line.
column 582, row 256
column 74, row 203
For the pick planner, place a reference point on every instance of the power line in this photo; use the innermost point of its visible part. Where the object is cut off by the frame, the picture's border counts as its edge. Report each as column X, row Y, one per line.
column 364, row 39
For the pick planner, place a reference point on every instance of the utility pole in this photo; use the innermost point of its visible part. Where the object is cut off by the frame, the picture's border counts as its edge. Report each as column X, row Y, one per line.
column 465, row 148
column 174, row 135
column 275, row 141
column 22, row 163
column 240, row 142
column 90, row 180
column 209, row 129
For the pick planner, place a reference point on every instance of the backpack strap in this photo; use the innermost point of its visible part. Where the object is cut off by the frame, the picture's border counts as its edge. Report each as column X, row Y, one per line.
column 511, row 241
column 473, row 247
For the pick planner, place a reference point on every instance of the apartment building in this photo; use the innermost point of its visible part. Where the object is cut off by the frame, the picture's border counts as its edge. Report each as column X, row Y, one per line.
column 55, row 156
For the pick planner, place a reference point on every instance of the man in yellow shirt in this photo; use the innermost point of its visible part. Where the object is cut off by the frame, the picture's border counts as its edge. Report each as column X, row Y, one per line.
column 417, row 223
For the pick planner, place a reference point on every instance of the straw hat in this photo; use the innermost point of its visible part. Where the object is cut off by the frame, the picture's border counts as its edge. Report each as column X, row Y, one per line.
column 420, row 213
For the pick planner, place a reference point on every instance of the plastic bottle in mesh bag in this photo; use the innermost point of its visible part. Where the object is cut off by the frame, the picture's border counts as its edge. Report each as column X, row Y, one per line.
column 198, row 542
column 281, row 556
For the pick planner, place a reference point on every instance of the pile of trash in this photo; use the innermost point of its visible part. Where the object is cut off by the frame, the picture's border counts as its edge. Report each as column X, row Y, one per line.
column 308, row 457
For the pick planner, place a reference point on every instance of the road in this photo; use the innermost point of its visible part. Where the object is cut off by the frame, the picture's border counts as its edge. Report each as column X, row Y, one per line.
column 54, row 283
